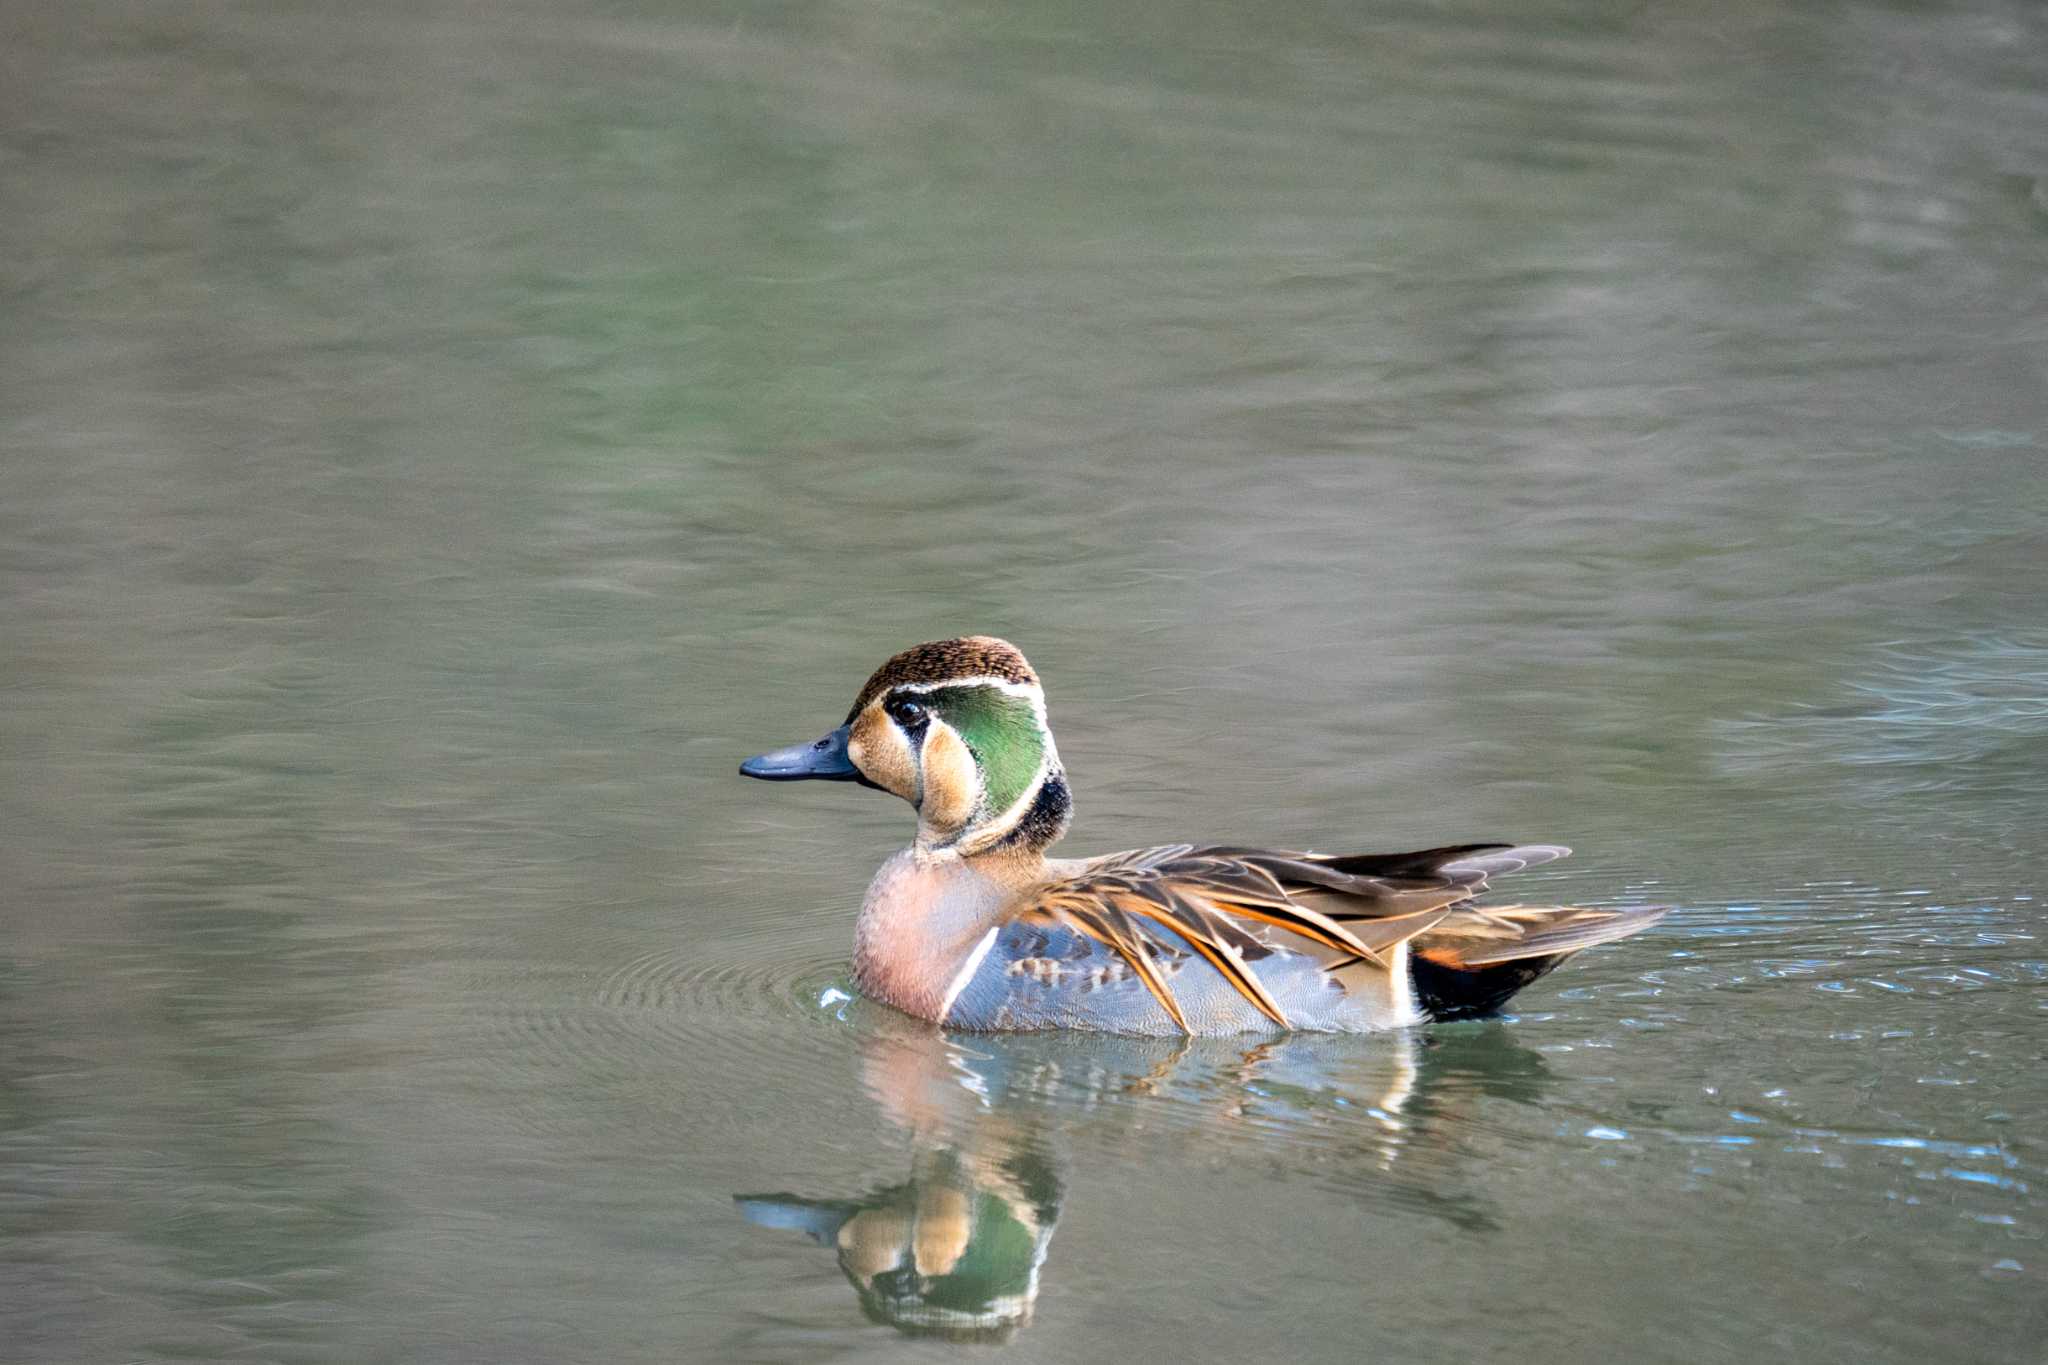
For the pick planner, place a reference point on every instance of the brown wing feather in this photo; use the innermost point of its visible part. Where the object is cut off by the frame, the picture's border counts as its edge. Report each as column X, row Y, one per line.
column 1211, row 935
column 1209, row 898
column 1388, row 932
column 1109, row 925
column 1365, row 906
column 1534, row 931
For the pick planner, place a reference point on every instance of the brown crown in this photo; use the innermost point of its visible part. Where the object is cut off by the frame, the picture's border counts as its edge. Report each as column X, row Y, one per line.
column 972, row 656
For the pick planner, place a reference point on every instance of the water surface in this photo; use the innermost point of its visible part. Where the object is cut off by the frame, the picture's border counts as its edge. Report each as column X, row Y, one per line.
column 440, row 440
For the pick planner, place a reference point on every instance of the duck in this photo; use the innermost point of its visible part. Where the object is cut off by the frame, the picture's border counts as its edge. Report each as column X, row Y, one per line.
column 975, row 927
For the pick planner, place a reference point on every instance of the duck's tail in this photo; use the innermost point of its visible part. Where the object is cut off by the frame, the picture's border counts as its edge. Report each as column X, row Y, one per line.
column 1468, row 965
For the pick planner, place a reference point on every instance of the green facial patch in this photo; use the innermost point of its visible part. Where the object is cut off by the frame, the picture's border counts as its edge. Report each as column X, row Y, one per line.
column 1001, row 731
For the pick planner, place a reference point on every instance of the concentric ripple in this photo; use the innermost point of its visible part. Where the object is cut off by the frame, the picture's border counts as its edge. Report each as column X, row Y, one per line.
column 735, row 982
column 748, row 996
column 633, row 1043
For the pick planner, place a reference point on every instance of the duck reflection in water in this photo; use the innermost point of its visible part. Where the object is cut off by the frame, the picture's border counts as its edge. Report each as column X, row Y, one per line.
column 955, row 1250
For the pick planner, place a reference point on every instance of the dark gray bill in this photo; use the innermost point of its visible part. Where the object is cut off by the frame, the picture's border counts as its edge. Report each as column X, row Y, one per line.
column 824, row 759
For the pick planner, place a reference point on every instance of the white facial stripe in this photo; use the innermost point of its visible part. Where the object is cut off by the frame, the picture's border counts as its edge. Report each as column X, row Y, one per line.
column 967, row 971
column 1015, row 689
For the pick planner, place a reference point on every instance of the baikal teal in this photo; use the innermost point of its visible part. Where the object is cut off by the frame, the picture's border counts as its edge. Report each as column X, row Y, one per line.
column 973, row 926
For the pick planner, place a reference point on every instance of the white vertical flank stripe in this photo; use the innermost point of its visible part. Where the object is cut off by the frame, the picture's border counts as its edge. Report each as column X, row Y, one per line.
column 966, row 973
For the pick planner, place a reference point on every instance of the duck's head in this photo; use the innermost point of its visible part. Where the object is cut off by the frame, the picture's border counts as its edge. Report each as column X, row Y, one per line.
column 956, row 728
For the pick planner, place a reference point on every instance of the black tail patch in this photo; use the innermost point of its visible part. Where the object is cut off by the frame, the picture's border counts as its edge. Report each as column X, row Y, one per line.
column 1446, row 992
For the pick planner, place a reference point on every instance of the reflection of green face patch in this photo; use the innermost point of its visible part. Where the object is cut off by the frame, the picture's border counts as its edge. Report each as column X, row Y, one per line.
column 1001, row 731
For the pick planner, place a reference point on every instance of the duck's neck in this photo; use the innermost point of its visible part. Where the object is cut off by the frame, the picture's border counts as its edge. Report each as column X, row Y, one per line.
column 926, row 917
column 932, row 906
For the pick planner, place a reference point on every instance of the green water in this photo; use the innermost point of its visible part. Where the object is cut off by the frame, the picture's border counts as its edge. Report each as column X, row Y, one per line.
column 437, row 441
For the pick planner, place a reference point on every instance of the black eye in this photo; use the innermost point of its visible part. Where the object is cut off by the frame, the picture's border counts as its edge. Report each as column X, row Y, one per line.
column 906, row 713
